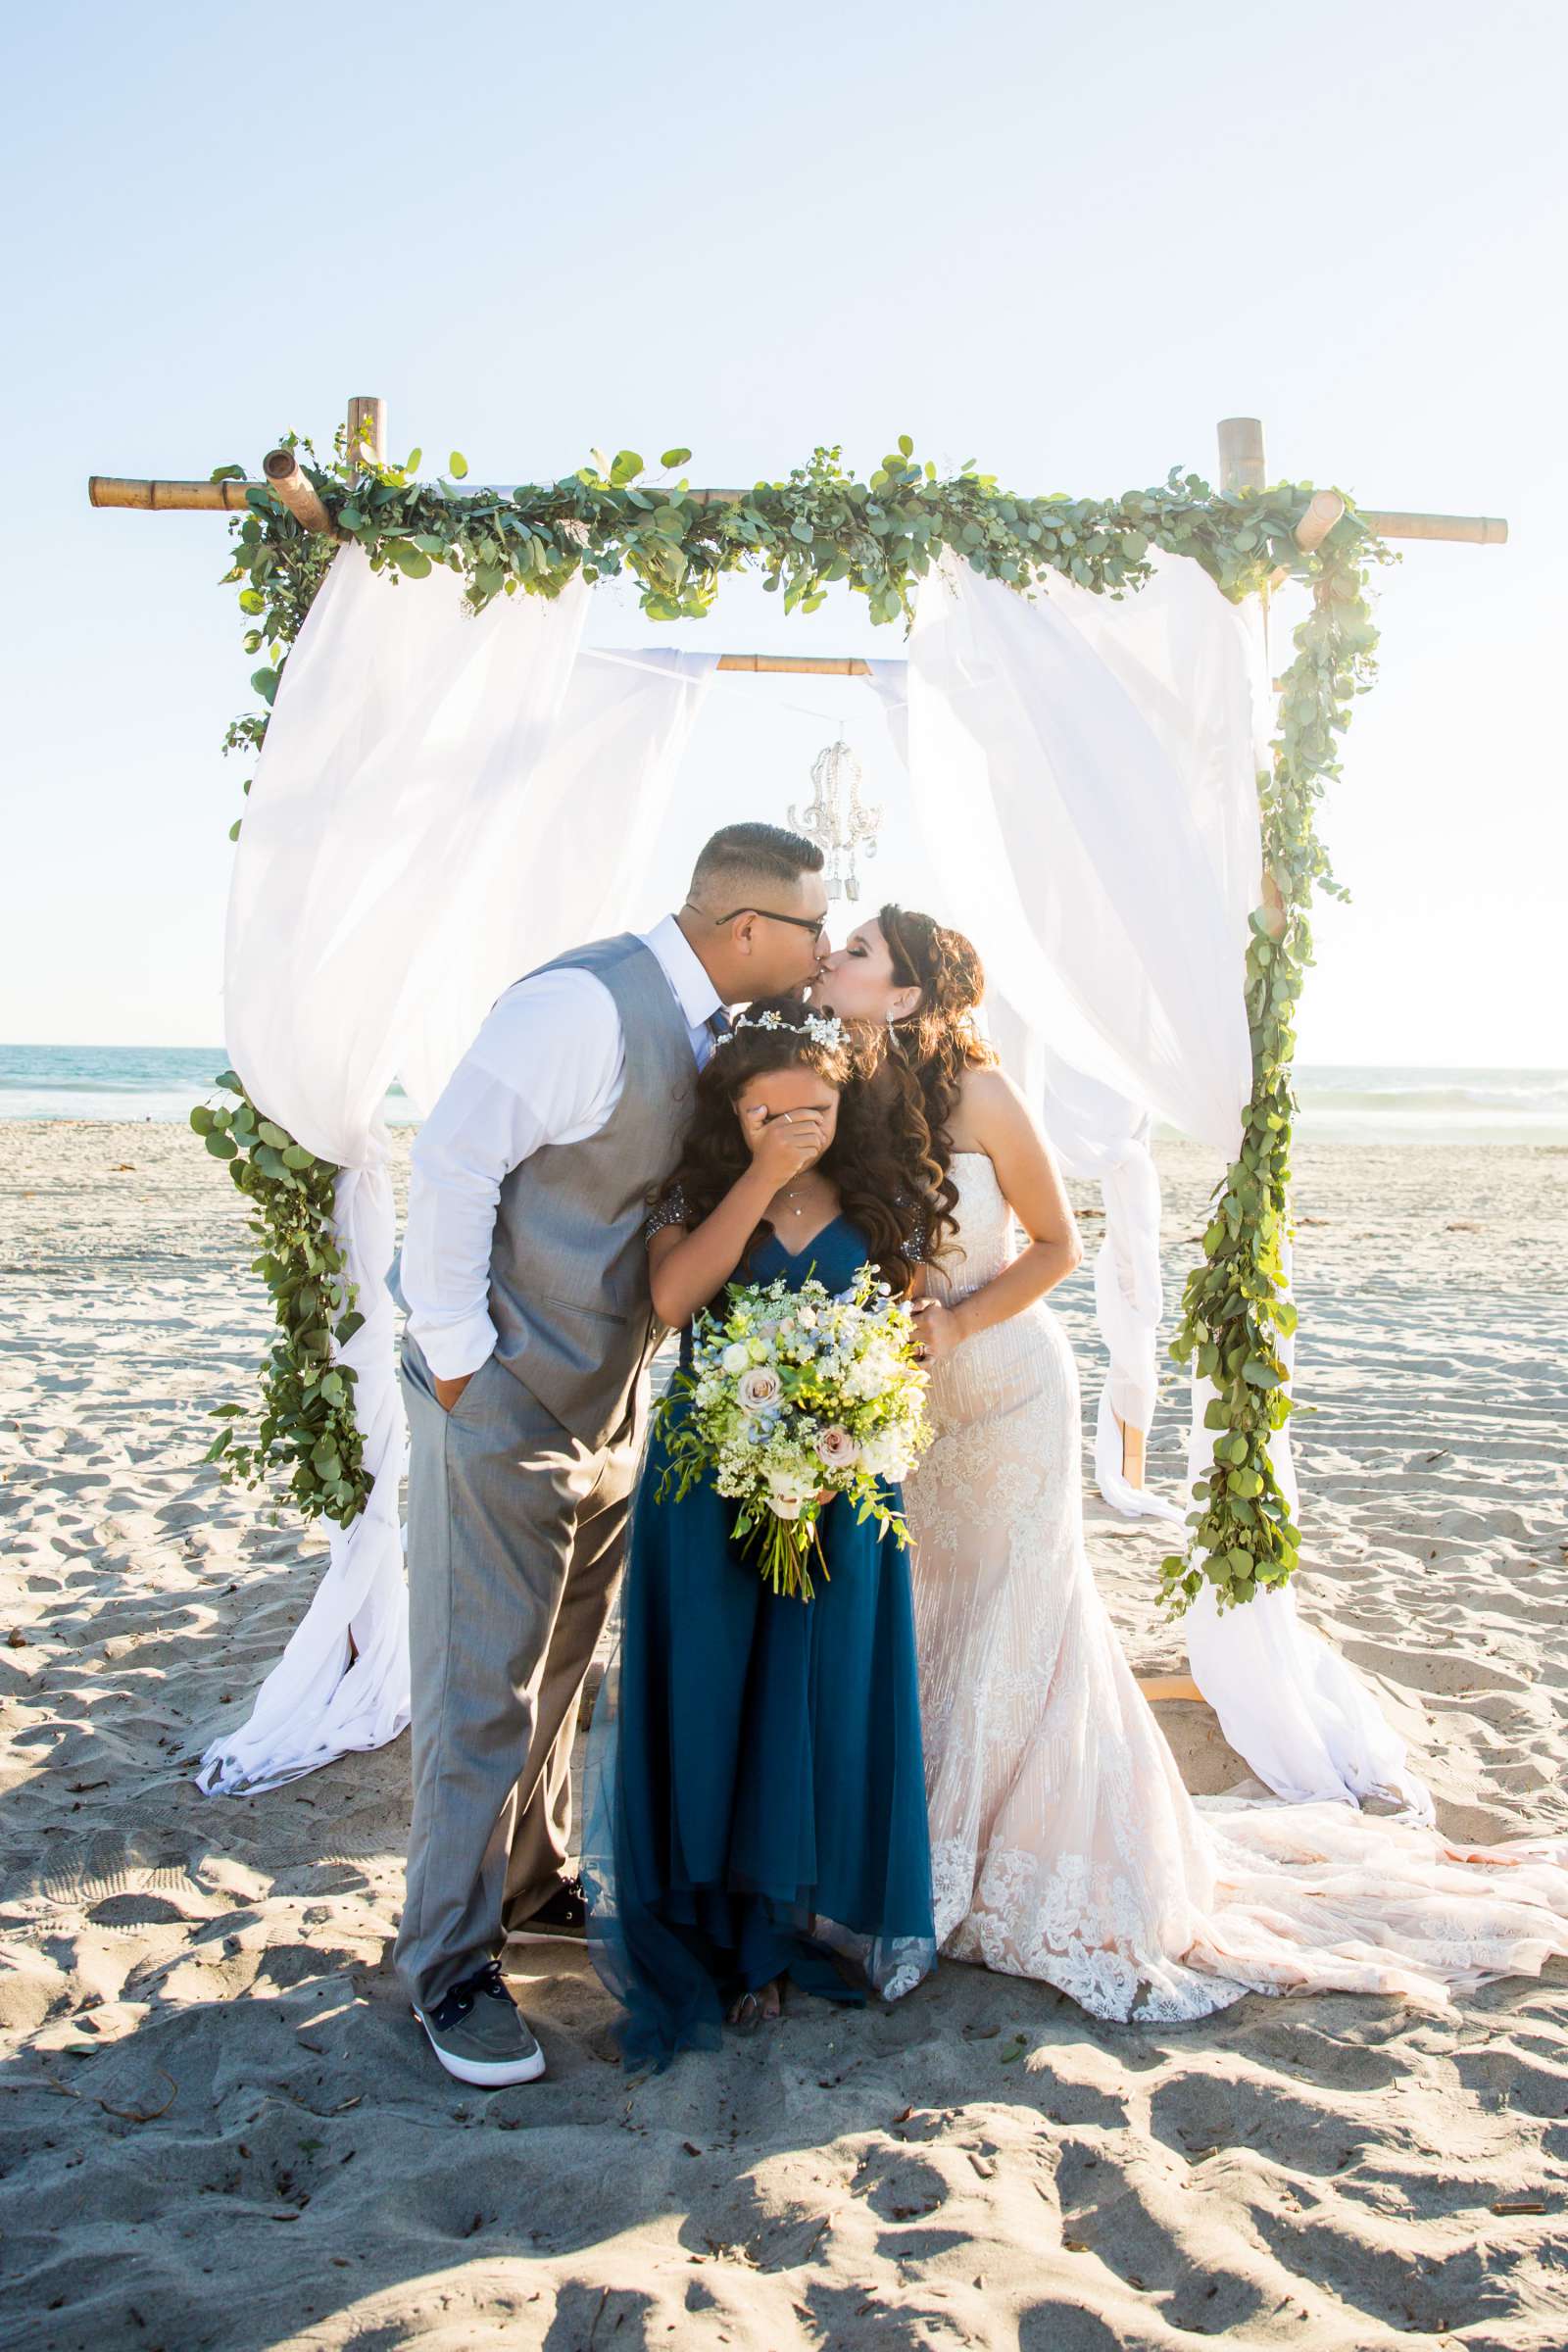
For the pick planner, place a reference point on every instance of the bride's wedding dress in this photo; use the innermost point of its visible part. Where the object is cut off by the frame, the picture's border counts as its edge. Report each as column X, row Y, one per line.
column 1064, row 1844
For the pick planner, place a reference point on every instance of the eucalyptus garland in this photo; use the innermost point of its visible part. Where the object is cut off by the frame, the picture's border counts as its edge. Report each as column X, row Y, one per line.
column 1236, row 1314
column 879, row 537
column 308, row 1428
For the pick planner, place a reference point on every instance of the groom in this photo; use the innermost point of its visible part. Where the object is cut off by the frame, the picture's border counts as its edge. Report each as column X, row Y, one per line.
column 530, row 1333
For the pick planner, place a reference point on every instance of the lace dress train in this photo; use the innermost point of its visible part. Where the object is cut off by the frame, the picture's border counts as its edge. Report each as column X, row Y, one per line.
column 1064, row 1844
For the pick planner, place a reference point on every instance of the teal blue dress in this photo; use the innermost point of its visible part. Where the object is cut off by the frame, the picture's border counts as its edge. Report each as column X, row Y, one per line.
column 756, row 1789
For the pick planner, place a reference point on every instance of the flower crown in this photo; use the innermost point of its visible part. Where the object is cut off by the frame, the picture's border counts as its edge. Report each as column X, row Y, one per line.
column 823, row 1028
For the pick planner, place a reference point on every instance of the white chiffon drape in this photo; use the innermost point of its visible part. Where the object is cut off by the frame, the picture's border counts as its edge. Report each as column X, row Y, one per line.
column 1086, row 770
column 433, row 811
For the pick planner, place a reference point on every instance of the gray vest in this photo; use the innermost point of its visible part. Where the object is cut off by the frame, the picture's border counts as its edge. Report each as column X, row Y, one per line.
column 568, row 1265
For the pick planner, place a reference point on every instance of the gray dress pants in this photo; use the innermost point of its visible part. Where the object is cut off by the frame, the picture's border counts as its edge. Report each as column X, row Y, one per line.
column 516, row 1532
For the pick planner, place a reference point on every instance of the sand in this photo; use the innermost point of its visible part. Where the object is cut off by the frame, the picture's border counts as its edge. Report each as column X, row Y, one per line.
column 222, row 2127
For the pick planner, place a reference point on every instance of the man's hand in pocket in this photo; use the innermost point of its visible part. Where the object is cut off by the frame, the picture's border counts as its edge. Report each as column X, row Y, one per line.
column 447, row 1391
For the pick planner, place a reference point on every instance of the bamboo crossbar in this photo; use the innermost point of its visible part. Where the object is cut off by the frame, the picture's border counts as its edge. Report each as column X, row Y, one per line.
column 808, row 665
column 1476, row 530
column 163, row 498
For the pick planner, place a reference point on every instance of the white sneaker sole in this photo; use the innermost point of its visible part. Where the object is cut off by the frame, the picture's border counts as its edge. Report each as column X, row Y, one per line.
column 486, row 2074
column 566, row 1936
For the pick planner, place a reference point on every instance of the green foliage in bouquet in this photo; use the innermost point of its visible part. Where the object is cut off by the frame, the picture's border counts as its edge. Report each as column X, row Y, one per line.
column 878, row 535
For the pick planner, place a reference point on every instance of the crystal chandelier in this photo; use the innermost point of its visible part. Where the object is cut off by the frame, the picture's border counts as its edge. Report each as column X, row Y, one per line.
column 836, row 819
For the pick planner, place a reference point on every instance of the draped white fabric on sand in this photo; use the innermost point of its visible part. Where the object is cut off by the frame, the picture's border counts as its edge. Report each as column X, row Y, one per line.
column 1086, row 771
column 429, row 817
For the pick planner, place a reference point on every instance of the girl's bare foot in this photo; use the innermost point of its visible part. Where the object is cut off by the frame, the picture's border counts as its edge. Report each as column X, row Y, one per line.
column 755, row 2008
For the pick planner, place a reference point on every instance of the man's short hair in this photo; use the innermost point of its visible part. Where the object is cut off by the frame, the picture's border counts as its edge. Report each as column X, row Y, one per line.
column 743, row 859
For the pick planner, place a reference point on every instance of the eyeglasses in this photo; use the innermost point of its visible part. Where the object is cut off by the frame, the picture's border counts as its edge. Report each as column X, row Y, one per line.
column 817, row 925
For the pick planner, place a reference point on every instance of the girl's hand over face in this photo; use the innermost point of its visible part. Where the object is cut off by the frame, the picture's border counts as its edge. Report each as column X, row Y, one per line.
column 783, row 1148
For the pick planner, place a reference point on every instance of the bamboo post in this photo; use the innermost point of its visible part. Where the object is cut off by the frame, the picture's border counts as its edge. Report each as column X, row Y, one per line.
column 1241, row 453
column 297, row 492
column 367, row 431
column 1318, row 520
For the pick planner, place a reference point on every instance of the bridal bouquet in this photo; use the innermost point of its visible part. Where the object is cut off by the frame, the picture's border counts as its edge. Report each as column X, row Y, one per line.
column 795, row 1397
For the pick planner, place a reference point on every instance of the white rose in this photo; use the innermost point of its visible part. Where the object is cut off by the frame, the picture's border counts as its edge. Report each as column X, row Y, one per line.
column 785, row 1497
column 736, row 1356
column 838, row 1448
column 880, row 1455
column 759, row 1388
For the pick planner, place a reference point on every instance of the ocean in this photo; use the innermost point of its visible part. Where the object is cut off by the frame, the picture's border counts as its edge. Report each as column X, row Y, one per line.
column 1341, row 1103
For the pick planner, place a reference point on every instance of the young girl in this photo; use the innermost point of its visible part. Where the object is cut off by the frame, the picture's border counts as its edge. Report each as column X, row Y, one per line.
column 757, row 1802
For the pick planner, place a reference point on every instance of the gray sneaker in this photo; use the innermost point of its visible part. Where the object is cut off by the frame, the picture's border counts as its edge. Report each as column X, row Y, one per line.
column 480, row 2034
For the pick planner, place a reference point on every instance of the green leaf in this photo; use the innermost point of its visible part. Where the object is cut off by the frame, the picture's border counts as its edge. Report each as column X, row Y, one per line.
column 252, row 600
column 906, row 446
column 675, row 457
column 457, row 466
column 265, row 682
column 627, row 466
column 296, row 1156
column 222, row 1146
column 271, row 1134
column 201, row 1119
column 1259, row 1374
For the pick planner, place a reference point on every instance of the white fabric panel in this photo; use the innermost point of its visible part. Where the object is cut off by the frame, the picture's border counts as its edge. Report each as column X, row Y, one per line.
column 403, row 725
column 1085, row 772
column 1025, row 741
column 565, row 862
column 433, row 813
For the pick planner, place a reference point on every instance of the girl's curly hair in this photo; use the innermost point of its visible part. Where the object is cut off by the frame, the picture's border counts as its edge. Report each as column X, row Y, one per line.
column 937, row 1041
column 878, row 1189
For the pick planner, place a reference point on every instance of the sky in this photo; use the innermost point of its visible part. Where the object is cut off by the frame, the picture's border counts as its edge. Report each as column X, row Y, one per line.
column 1058, row 241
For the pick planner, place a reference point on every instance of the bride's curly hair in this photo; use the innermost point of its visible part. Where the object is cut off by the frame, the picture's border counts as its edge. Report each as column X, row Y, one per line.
column 877, row 1188
column 937, row 1043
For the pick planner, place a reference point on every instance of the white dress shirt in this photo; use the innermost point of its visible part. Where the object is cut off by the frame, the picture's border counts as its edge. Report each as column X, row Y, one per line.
column 546, row 1067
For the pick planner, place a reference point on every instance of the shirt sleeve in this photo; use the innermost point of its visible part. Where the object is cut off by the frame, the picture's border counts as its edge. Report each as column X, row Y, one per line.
column 546, row 1067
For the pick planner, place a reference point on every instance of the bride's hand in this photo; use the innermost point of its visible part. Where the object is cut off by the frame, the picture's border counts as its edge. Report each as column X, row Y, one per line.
column 937, row 1332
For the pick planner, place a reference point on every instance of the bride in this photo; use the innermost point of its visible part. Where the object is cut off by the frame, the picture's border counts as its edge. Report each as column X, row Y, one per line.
column 1065, row 1845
